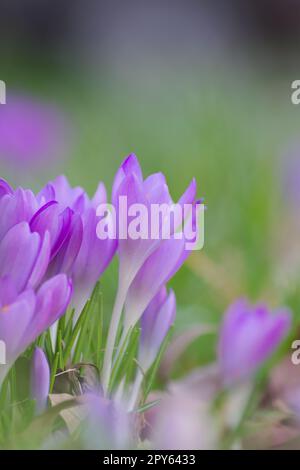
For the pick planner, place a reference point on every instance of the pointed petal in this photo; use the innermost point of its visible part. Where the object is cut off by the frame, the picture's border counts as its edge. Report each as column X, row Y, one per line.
column 18, row 254
column 53, row 298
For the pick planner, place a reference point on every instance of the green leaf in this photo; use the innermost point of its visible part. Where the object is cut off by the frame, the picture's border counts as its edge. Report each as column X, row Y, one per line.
column 147, row 406
column 54, row 371
column 75, row 333
column 125, row 357
column 84, row 341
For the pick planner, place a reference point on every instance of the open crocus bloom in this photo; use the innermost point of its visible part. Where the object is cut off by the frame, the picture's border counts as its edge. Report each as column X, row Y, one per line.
column 24, row 316
column 249, row 335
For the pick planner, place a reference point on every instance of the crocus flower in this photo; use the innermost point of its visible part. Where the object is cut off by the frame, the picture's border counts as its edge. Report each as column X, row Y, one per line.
column 151, row 262
column 31, row 131
column 145, row 264
column 129, row 183
column 58, row 228
column 155, row 324
column 15, row 206
column 24, row 256
column 248, row 336
column 161, row 265
column 28, row 224
column 40, row 379
column 24, row 316
column 85, row 256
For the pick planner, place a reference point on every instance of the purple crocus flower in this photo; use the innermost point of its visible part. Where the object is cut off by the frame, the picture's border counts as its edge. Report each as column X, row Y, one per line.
column 146, row 263
column 40, row 379
column 31, row 226
column 129, row 183
column 15, row 206
column 25, row 315
column 161, row 265
column 57, row 231
column 24, row 256
column 155, row 324
column 31, row 131
column 248, row 336
column 76, row 248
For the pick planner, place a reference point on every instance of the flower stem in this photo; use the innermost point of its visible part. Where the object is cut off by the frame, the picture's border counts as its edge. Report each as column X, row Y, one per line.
column 112, row 334
column 135, row 390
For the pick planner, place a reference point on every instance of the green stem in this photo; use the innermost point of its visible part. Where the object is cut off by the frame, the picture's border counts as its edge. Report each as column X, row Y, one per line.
column 112, row 334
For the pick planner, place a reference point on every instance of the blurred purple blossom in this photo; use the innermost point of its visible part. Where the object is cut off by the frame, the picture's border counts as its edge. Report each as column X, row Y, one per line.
column 248, row 336
column 32, row 132
column 183, row 421
column 108, row 425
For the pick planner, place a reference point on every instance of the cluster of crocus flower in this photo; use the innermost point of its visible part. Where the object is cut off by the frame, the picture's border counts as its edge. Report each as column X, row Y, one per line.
column 48, row 248
column 51, row 257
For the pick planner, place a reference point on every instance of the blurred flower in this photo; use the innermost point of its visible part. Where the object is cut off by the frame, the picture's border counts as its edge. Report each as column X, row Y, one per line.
column 248, row 336
column 155, row 324
column 107, row 426
column 31, row 131
column 40, row 379
column 183, row 421
column 24, row 316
